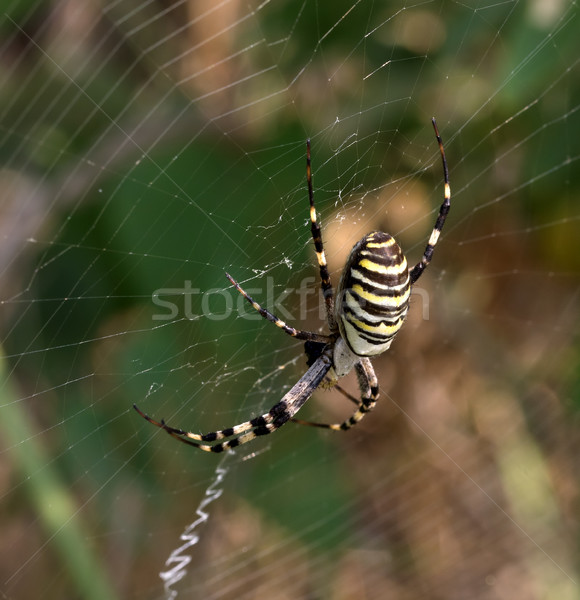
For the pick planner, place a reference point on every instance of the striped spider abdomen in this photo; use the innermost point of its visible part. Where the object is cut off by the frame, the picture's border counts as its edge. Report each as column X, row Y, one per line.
column 373, row 294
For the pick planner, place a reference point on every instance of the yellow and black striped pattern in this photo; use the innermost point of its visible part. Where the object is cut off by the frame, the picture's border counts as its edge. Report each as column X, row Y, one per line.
column 325, row 284
column 418, row 269
column 373, row 294
column 264, row 424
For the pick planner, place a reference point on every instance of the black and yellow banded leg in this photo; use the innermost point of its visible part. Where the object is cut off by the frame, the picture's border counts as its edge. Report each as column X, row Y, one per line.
column 201, row 437
column 245, row 432
column 299, row 334
column 418, row 269
column 325, row 283
column 340, row 389
column 346, row 394
column 262, row 425
column 178, row 434
column 369, row 387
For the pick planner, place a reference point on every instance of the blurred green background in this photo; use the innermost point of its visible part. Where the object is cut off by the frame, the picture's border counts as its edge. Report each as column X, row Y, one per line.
column 150, row 144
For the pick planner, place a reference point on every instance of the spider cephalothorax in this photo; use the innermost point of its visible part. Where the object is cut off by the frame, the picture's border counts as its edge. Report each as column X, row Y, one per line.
column 369, row 309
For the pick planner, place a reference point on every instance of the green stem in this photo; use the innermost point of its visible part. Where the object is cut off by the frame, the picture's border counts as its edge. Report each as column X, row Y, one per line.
column 49, row 496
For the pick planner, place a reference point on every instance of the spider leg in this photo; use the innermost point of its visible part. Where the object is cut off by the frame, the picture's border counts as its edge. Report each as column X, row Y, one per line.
column 266, row 314
column 346, row 394
column 205, row 437
column 325, row 283
column 258, row 426
column 369, row 387
column 418, row 269
column 338, row 388
column 175, row 433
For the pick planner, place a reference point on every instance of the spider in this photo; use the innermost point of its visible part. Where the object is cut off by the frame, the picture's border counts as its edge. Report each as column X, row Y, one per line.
column 363, row 317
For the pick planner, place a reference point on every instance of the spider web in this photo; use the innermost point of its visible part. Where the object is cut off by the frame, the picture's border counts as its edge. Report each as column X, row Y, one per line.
column 148, row 148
